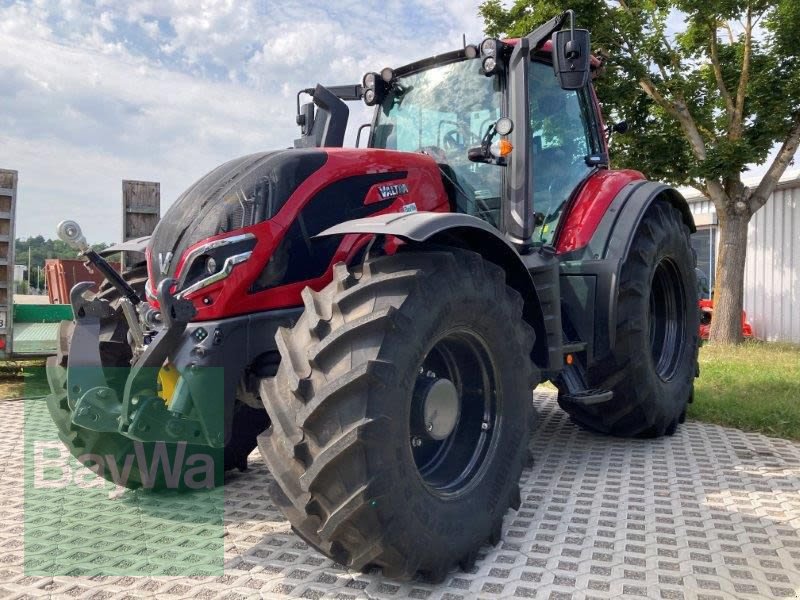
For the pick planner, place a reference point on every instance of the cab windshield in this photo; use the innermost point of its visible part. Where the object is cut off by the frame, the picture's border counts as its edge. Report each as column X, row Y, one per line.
column 443, row 111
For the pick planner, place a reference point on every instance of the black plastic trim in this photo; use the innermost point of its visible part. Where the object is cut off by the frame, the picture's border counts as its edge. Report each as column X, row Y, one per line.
column 598, row 265
column 233, row 344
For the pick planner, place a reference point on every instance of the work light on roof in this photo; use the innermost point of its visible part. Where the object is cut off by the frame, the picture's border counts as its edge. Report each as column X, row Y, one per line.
column 492, row 51
column 489, row 47
column 369, row 80
column 374, row 88
column 387, row 74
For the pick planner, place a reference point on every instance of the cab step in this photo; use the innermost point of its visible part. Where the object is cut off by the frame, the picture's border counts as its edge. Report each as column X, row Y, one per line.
column 588, row 397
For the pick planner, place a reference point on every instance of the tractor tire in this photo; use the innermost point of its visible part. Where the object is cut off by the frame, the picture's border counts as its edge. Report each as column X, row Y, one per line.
column 85, row 445
column 652, row 367
column 372, row 467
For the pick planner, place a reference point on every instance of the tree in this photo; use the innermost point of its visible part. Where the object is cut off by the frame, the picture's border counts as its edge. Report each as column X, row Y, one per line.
column 42, row 249
column 702, row 103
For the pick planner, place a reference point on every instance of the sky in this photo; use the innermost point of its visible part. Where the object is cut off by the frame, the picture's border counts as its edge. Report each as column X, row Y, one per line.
column 94, row 92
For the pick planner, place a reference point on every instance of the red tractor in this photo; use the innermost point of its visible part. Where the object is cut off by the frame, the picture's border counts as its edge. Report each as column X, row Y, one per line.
column 375, row 319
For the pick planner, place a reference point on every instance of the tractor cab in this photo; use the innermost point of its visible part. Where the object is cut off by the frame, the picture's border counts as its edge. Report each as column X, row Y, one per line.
column 449, row 111
column 447, row 107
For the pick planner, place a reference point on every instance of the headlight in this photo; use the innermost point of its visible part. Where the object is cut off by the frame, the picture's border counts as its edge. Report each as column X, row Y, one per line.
column 202, row 267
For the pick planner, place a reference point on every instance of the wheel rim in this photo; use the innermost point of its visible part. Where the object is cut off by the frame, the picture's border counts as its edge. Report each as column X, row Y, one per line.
column 667, row 318
column 453, row 417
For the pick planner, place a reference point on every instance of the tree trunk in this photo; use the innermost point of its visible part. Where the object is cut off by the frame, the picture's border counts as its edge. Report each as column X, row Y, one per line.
column 726, row 324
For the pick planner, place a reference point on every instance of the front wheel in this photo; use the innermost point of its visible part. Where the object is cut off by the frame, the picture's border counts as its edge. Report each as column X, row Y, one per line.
column 652, row 367
column 401, row 412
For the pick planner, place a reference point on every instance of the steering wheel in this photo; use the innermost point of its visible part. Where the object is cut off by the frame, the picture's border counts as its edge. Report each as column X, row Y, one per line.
column 451, row 142
column 459, row 139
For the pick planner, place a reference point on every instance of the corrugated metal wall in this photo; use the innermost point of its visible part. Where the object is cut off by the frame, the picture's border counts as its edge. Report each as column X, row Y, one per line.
column 772, row 272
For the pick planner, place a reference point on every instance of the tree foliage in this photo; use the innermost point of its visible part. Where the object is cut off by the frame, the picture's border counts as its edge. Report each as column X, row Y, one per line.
column 40, row 250
column 707, row 88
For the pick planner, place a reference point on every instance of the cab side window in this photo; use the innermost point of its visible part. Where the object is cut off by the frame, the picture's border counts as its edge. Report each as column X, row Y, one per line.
column 561, row 140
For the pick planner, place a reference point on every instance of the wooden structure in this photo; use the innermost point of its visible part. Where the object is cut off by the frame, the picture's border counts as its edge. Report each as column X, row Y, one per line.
column 8, row 207
column 141, row 208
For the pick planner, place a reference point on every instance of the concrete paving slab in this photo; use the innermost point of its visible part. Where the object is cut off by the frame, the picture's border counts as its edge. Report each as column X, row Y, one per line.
column 709, row 513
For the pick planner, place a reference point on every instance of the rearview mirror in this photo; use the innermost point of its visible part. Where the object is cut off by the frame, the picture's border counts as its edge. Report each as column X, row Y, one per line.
column 571, row 57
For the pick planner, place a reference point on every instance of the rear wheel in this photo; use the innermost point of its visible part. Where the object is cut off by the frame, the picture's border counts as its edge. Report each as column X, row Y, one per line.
column 401, row 412
column 652, row 367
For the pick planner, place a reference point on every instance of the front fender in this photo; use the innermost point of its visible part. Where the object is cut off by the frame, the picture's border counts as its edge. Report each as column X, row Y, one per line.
column 471, row 233
column 598, row 265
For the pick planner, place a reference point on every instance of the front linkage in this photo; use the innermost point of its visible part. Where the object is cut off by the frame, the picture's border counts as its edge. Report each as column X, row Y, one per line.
column 194, row 413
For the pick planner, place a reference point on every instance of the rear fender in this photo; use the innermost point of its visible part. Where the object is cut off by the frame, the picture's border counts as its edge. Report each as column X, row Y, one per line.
column 465, row 231
column 597, row 266
column 614, row 234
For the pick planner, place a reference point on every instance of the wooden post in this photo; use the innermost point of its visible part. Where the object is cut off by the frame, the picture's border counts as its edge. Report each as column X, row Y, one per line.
column 141, row 210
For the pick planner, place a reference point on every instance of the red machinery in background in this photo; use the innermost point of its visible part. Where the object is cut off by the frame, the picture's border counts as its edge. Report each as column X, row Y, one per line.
column 707, row 311
column 61, row 275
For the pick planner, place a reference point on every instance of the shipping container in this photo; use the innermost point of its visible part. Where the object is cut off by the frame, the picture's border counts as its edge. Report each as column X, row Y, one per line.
column 61, row 275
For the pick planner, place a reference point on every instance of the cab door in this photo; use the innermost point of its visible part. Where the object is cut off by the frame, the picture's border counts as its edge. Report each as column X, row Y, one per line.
column 565, row 146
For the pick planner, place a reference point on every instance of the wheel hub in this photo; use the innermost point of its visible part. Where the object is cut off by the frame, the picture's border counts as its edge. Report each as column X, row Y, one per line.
column 453, row 412
column 440, row 407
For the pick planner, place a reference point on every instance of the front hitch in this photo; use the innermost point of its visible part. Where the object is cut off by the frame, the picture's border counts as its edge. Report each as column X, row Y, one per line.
column 70, row 233
column 136, row 409
column 84, row 366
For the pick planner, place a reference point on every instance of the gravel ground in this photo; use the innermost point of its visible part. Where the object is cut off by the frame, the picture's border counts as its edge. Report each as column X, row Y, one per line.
column 709, row 513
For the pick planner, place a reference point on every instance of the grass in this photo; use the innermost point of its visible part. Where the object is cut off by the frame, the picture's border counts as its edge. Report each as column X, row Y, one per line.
column 755, row 387
column 22, row 378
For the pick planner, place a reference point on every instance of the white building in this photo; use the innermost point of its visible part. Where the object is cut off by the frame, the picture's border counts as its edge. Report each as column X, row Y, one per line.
column 772, row 273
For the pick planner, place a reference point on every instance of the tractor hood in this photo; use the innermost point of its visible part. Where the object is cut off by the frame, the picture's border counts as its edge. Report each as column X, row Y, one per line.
column 238, row 193
column 254, row 221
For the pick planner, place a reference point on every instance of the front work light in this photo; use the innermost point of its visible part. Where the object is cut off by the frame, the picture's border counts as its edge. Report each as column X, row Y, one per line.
column 376, row 86
column 370, row 80
column 493, row 52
